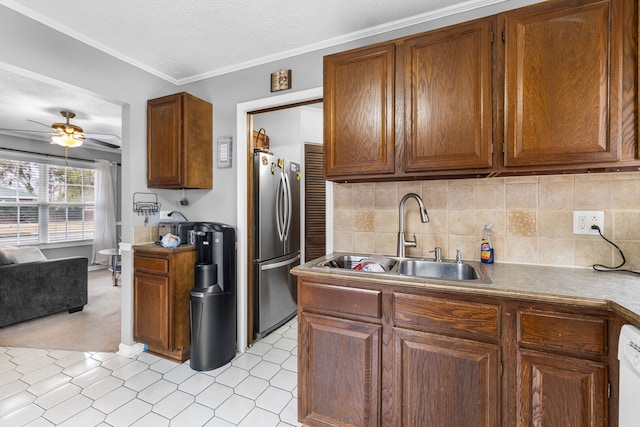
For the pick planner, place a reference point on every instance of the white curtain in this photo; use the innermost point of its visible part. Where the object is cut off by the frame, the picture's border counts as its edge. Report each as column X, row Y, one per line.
column 104, row 220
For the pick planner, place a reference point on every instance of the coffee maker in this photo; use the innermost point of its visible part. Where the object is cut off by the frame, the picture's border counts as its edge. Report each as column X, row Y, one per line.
column 213, row 298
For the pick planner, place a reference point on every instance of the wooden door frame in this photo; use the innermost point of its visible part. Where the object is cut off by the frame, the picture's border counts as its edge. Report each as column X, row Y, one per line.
column 243, row 228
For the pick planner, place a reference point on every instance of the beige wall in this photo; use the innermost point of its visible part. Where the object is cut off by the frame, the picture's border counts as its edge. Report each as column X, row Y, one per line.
column 532, row 217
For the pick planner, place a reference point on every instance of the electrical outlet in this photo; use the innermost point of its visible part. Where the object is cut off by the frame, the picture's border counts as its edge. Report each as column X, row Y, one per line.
column 164, row 214
column 583, row 220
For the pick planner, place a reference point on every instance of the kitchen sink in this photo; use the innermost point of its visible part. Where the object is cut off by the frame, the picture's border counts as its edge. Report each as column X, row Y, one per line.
column 437, row 270
column 471, row 271
column 351, row 262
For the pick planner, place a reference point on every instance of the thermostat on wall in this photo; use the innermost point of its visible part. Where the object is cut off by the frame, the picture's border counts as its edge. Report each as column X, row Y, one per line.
column 225, row 145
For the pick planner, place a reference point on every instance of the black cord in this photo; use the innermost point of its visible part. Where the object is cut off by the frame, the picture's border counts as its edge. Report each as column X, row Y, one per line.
column 177, row 212
column 600, row 267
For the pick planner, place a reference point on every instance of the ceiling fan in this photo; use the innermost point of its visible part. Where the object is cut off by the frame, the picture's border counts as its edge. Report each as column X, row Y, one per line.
column 69, row 135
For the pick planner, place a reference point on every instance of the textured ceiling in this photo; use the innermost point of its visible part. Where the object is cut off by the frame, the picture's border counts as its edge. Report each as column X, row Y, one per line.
column 31, row 103
column 189, row 40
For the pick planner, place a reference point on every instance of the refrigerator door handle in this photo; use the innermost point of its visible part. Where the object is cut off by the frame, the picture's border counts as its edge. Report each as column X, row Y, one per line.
column 280, row 219
column 287, row 205
column 280, row 264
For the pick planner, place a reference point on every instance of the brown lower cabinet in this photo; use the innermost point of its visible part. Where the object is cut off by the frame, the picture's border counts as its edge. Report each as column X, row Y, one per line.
column 560, row 390
column 162, row 283
column 339, row 374
column 373, row 354
column 562, row 361
column 447, row 381
column 341, row 380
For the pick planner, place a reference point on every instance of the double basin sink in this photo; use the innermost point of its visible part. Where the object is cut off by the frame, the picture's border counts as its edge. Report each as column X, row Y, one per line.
column 466, row 271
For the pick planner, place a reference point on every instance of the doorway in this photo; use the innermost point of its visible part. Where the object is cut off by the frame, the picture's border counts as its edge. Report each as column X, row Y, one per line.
column 281, row 131
column 243, row 140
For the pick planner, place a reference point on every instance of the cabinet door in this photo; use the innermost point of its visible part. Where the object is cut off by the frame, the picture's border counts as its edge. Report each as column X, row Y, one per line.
column 359, row 112
column 179, row 142
column 563, row 83
column 339, row 372
column 448, row 98
column 164, row 136
column 151, row 309
column 197, row 143
column 444, row 381
column 560, row 391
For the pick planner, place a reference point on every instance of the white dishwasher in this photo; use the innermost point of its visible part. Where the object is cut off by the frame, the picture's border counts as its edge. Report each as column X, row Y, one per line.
column 629, row 356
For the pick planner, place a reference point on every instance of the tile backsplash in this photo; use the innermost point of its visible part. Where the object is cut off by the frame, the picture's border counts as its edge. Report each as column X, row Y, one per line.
column 145, row 234
column 532, row 218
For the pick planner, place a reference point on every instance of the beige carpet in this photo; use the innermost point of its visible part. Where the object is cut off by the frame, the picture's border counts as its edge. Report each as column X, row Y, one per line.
column 95, row 328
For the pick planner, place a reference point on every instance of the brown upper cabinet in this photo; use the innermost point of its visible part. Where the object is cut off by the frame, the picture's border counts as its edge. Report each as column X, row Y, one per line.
column 547, row 88
column 359, row 118
column 179, row 142
column 563, row 83
column 414, row 106
column 447, row 97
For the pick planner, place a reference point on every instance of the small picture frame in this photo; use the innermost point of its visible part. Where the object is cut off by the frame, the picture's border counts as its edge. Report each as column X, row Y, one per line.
column 225, row 145
column 280, row 80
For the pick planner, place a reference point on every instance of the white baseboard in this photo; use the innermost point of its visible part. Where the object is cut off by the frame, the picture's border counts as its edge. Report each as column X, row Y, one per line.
column 130, row 350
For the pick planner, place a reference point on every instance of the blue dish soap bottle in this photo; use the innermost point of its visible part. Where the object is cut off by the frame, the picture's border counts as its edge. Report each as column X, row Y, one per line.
column 486, row 247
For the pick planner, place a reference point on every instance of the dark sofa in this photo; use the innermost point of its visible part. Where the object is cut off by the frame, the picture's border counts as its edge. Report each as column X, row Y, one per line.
column 34, row 289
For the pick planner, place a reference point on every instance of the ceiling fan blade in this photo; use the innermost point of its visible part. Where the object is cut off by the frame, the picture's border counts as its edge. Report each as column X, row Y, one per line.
column 68, row 129
column 33, row 121
column 28, row 131
column 102, row 143
column 101, row 135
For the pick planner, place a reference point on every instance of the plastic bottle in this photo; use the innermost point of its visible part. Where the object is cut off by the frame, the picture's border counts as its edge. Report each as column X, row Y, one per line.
column 486, row 247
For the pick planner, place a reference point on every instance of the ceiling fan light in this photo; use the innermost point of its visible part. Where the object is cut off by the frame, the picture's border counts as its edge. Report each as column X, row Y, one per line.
column 66, row 140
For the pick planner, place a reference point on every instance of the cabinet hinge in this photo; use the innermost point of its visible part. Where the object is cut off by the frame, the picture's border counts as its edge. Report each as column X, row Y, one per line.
column 504, row 34
column 492, row 35
column 504, row 148
column 609, row 391
column 500, row 369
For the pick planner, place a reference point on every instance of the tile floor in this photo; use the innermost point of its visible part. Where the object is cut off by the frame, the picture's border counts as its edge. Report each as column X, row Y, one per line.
column 63, row 388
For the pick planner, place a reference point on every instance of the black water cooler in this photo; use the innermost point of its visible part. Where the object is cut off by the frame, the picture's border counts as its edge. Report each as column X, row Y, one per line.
column 213, row 298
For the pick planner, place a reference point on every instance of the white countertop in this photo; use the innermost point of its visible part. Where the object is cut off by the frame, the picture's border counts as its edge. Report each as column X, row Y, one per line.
column 583, row 286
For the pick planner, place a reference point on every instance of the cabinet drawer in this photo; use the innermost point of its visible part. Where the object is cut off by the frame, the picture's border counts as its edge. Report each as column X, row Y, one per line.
column 158, row 265
column 563, row 331
column 417, row 311
column 337, row 299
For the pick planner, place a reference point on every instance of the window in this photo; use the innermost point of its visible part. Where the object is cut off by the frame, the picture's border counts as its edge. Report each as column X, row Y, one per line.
column 41, row 203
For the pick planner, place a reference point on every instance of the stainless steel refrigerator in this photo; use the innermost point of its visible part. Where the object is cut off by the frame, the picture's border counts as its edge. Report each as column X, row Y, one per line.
column 277, row 240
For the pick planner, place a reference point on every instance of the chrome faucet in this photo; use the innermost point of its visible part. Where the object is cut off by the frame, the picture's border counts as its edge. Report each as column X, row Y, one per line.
column 424, row 217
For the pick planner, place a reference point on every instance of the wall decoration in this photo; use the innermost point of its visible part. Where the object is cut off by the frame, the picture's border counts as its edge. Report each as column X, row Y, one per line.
column 281, row 80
